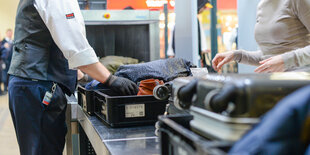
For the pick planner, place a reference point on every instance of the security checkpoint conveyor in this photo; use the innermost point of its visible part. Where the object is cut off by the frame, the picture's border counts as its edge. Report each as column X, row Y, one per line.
column 105, row 140
column 133, row 140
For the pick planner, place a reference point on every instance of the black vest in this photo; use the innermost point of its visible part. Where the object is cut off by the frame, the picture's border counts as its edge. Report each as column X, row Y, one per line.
column 35, row 54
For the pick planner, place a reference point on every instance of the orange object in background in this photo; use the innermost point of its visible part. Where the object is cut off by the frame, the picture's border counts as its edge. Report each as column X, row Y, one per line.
column 152, row 4
column 146, row 86
column 227, row 4
column 139, row 4
column 121, row 4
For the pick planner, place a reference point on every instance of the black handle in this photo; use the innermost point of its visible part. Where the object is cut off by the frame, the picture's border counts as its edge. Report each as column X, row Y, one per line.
column 219, row 102
column 186, row 93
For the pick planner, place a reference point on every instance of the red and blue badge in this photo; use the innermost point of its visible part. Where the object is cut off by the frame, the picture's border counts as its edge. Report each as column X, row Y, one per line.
column 70, row 16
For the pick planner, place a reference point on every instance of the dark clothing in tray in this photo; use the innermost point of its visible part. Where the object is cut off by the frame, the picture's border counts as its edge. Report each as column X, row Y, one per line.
column 165, row 69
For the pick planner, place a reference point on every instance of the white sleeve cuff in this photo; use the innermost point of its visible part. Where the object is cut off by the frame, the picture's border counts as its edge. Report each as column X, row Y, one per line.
column 83, row 58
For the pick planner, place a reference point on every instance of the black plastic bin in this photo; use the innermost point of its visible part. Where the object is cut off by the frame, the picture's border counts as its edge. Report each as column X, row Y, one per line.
column 124, row 111
column 176, row 138
column 86, row 100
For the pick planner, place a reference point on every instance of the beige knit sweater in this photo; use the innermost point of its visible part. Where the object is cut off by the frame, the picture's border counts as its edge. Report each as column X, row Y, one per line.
column 282, row 27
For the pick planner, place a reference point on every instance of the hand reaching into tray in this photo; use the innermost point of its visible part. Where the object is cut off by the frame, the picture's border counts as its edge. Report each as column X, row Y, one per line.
column 122, row 85
column 100, row 73
column 222, row 59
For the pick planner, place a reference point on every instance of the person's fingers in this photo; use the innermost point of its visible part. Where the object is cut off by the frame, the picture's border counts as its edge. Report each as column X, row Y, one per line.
column 213, row 62
column 219, row 66
column 223, row 62
column 267, row 70
column 261, row 68
column 136, row 89
column 127, row 90
column 214, row 66
column 122, row 90
column 133, row 89
column 264, row 61
column 216, row 60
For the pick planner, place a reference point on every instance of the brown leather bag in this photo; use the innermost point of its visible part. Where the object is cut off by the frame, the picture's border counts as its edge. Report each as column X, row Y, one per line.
column 146, row 86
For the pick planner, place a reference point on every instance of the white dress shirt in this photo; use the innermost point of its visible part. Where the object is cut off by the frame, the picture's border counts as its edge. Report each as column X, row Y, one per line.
column 65, row 22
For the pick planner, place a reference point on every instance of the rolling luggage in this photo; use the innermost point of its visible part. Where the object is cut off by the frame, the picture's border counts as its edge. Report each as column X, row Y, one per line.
column 225, row 107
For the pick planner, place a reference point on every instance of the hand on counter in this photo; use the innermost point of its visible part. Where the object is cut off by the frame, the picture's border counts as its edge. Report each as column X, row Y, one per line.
column 272, row 64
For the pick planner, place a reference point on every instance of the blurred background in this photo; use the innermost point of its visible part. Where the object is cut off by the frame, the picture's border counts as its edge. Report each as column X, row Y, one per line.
column 234, row 29
column 227, row 19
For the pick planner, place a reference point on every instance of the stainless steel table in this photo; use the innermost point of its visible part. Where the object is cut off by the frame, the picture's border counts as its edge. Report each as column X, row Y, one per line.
column 72, row 147
column 115, row 141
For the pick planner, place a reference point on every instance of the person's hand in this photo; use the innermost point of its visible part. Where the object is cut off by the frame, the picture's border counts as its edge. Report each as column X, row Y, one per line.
column 221, row 59
column 122, row 85
column 6, row 45
column 272, row 64
column 170, row 57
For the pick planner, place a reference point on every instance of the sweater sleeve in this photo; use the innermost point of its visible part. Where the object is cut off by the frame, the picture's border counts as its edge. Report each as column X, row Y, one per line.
column 248, row 57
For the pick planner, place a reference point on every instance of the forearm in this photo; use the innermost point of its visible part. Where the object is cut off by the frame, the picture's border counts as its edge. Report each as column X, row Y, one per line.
column 97, row 71
column 247, row 57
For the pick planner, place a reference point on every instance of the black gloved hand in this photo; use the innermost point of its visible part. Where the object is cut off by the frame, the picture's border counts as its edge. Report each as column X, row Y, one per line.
column 122, row 85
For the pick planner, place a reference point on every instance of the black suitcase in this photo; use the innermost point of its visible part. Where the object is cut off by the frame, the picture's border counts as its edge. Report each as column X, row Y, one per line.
column 237, row 95
column 227, row 106
column 246, row 95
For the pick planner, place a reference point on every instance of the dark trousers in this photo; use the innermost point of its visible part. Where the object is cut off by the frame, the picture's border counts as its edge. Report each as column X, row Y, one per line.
column 5, row 79
column 1, row 75
column 39, row 129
